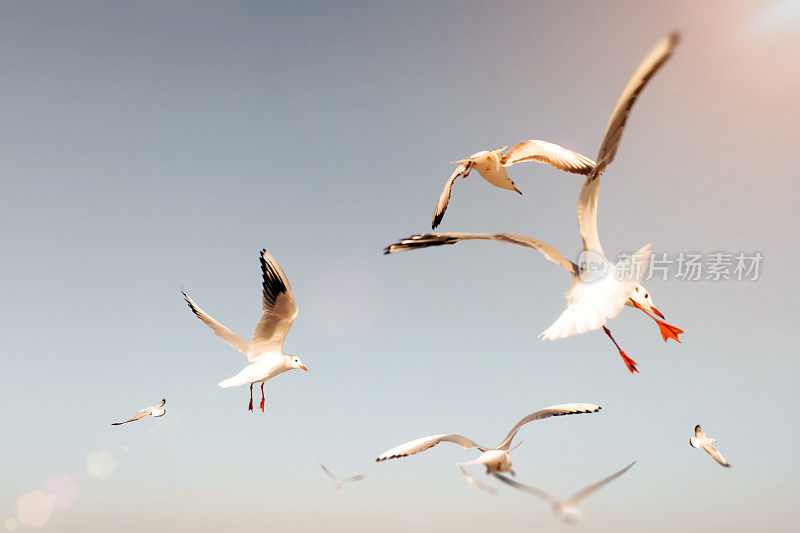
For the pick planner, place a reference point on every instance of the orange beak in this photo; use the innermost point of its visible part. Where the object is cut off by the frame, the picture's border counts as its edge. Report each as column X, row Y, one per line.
column 519, row 191
column 304, row 368
column 657, row 312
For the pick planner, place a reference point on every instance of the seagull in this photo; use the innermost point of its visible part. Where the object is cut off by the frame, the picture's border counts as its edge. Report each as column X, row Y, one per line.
column 155, row 411
column 492, row 164
column 701, row 441
column 337, row 482
column 494, row 459
column 475, row 482
column 600, row 288
column 264, row 351
column 566, row 510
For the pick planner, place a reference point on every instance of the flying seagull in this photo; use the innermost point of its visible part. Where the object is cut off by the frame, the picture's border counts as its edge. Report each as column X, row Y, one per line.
column 494, row 459
column 566, row 510
column 600, row 288
column 155, row 411
column 264, row 351
column 472, row 481
column 701, row 441
column 492, row 164
column 339, row 482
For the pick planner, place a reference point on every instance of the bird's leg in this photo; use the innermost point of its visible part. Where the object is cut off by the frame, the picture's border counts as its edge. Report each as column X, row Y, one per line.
column 262, row 397
column 668, row 331
column 250, row 407
column 630, row 363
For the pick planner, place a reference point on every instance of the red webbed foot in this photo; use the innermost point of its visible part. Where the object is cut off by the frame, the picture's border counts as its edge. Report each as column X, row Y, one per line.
column 250, row 407
column 262, row 405
column 630, row 363
column 668, row 331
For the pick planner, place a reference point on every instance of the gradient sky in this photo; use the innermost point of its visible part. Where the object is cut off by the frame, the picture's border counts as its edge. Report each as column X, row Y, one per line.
column 156, row 145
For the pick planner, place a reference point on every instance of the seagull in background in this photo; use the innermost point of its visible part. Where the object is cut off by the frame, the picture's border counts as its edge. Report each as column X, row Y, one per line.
column 264, row 351
column 566, row 510
column 600, row 288
column 472, row 481
column 494, row 459
column 155, row 411
column 701, row 441
column 492, row 164
column 337, row 482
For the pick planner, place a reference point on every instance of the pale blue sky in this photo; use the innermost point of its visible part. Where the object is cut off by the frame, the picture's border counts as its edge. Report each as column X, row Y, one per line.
column 153, row 145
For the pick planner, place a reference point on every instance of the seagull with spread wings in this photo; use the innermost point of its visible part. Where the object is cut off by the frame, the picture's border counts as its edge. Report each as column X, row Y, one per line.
column 600, row 288
column 566, row 510
column 494, row 459
column 155, row 411
column 264, row 350
column 339, row 482
column 701, row 441
column 492, row 164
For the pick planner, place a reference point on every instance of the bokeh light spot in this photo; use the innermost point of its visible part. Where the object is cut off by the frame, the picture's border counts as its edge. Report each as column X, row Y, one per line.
column 62, row 491
column 34, row 508
column 11, row 524
column 100, row 465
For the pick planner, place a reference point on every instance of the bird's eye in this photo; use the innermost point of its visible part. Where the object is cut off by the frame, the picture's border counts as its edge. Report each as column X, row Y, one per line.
column 646, row 295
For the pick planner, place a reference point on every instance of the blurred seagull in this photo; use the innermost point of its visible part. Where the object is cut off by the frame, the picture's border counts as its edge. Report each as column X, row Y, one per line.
column 264, row 351
column 337, row 482
column 156, row 411
column 701, row 441
column 566, row 510
column 600, row 288
column 494, row 459
column 492, row 164
column 475, row 482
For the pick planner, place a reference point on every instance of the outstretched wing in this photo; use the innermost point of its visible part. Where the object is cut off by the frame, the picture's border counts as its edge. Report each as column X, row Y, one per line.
column 352, row 479
column 547, row 412
column 219, row 330
column 330, row 474
column 587, row 201
column 441, row 206
column 420, row 445
column 526, row 488
column 547, row 152
column 583, row 493
column 477, row 483
column 438, row 239
column 280, row 309
column 698, row 432
column 714, row 453
column 141, row 414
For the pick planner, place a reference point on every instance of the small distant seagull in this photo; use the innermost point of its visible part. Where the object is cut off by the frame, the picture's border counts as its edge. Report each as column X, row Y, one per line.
column 265, row 348
column 600, row 288
column 475, row 482
column 492, row 164
column 339, row 482
column 154, row 411
column 566, row 510
column 701, row 441
column 494, row 459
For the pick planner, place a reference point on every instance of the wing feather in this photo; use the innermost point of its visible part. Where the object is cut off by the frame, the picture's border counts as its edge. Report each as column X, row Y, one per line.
column 549, row 153
column 587, row 200
column 583, row 493
column 219, row 330
column 714, row 453
column 547, row 412
column 441, row 206
column 439, row 239
column 279, row 306
column 424, row 443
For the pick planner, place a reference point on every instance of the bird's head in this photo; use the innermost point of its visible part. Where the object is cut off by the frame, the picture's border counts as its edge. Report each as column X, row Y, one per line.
column 642, row 297
column 297, row 363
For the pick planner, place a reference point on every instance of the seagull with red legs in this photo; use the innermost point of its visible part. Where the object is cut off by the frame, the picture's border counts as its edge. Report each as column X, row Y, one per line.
column 600, row 288
column 264, row 351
